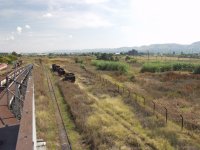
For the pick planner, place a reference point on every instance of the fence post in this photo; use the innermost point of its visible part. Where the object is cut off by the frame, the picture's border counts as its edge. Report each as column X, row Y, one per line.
column 154, row 106
column 144, row 100
column 166, row 114
column 181, row 122
column 128, row 93
column 103, row 83
column 118, row 88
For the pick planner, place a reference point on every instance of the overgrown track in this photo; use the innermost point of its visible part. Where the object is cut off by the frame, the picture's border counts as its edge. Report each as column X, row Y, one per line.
column 65, row 143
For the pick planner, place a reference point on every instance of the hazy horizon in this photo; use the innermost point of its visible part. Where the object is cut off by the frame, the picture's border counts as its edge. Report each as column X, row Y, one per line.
column 45, row 25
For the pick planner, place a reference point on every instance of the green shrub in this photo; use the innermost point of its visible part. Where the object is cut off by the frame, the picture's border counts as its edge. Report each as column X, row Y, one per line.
column 77, row 60
column 133, row 60
column 149, row 68
column 177, row 67
column 127, row 58
column 197, row 70
column 132, row 78
column 167, row 66
column 82, row 66
column 8, row 59
column 110, row 66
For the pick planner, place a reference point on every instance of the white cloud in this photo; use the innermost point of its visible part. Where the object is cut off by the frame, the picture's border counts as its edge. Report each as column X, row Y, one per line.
column 79, row 20
column 27, row 26
column 47, row 15
column 95, row 1
column 70, row 36
column 10, row 38
column 126, row 29
column 19, row 30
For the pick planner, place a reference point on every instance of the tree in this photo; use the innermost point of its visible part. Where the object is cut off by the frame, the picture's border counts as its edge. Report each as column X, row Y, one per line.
column 132, row 52
column 14, row 53
column 105, row 56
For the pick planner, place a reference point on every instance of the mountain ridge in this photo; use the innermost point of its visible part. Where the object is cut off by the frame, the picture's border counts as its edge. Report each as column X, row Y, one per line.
column 152, row 48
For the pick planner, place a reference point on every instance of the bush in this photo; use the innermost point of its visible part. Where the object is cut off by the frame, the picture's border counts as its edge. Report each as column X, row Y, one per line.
column 77, row 60
column 132, row 61
column 8, row 59
column 110, row 66
column 167, row 66
column 127, row 58
column 105, row 56
column 149, row 68
column 132, row 78
column 197, row 70
column 177, row 67
column 82, row 66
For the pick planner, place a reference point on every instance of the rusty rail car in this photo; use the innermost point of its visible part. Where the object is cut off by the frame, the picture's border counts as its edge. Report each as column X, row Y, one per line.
column 68, row 76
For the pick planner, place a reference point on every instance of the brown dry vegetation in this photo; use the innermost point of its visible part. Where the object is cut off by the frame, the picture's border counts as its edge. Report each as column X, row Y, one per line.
column 107, row 120
column 179, row 92
column 107, row 123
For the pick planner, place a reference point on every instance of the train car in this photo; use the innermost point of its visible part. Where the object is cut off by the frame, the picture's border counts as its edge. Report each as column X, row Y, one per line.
column 55, row 67
column 61, row 71
column 69, row 77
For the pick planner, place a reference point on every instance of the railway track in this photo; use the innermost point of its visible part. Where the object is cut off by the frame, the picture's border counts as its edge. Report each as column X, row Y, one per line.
column 65, row 143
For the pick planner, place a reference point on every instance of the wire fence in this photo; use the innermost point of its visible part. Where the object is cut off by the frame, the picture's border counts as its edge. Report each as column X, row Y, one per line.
column 189, row 121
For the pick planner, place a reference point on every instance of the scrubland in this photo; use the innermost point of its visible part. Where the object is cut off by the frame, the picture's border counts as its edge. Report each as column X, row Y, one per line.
column 98, row 116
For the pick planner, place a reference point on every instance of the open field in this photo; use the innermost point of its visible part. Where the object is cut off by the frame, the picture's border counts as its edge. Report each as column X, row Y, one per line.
column 105, row 109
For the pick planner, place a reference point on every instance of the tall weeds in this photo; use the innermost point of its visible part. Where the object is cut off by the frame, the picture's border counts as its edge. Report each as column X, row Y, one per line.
column 110, row 66
column 168, row 66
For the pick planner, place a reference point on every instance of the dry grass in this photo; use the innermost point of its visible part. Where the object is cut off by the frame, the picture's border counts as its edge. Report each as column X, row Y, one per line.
column 45, row 116
column 156, row 125
column 107, row 121
column 75, row 138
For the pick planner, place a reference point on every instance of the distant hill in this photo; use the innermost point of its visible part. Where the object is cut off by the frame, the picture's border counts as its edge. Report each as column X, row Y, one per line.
column 154, row 48
column 170, row 48
column 166, row 48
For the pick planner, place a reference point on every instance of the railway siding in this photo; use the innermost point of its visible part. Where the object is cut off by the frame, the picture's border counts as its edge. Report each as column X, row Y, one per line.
column 65, row 143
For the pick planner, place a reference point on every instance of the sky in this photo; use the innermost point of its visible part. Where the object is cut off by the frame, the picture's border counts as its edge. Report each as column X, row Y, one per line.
column 46, row 25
